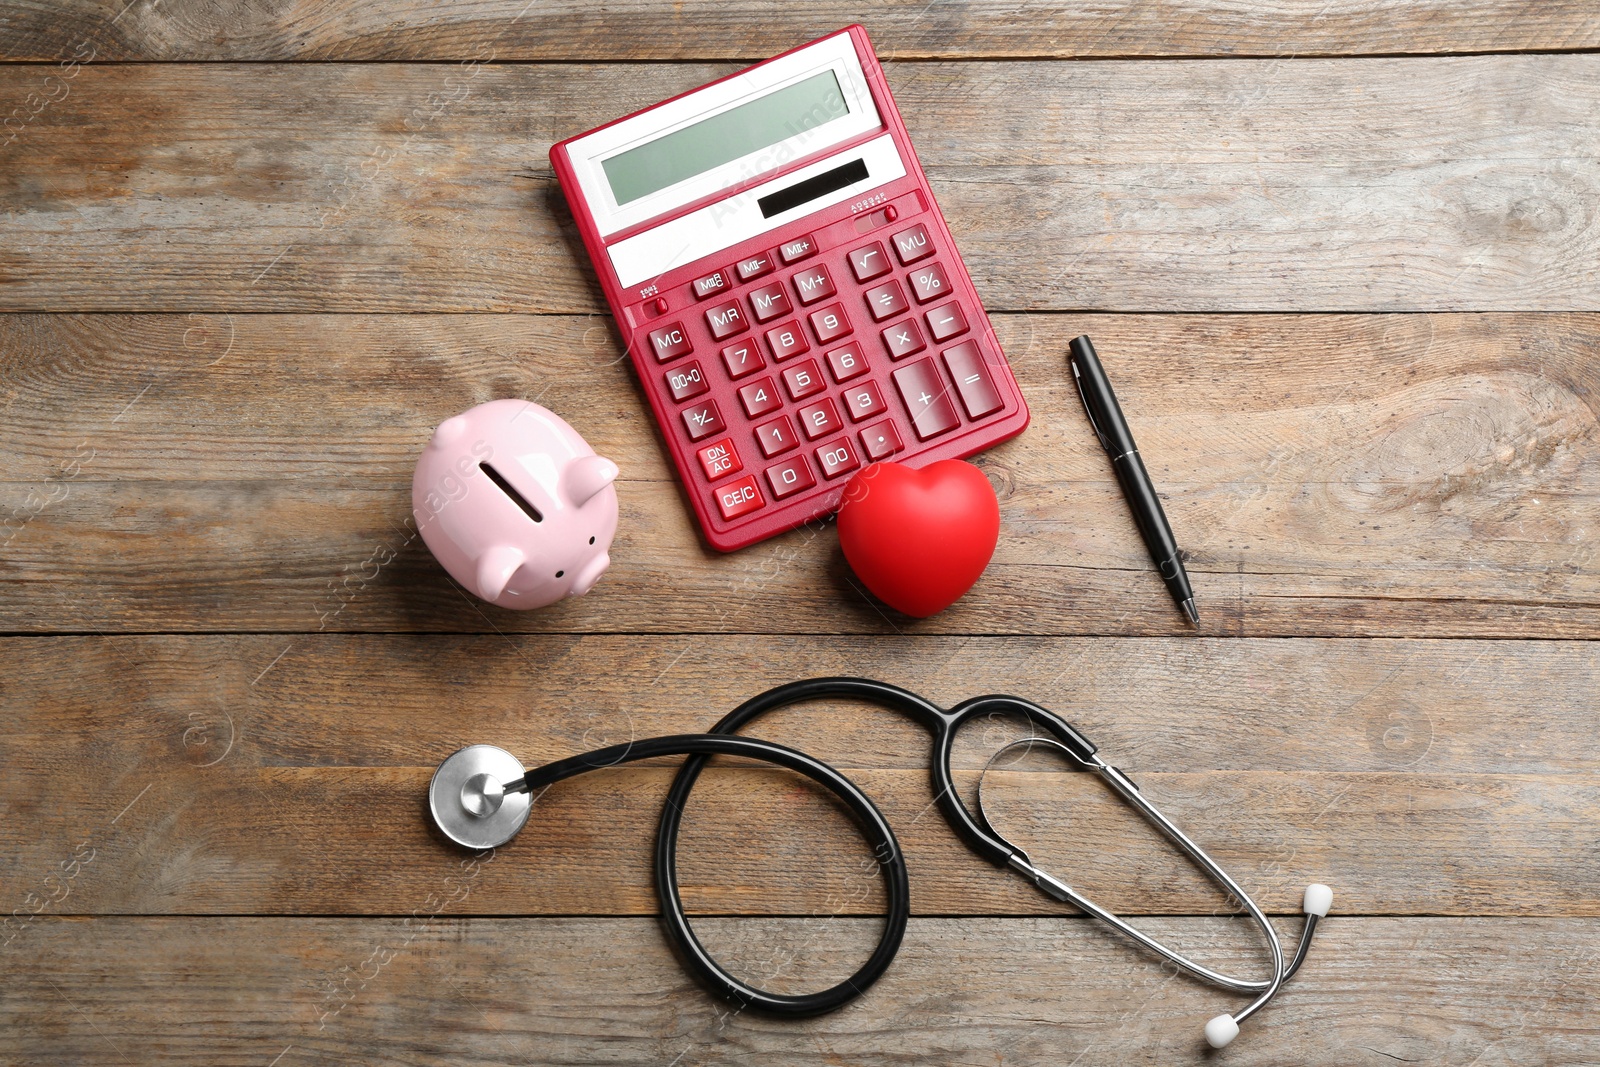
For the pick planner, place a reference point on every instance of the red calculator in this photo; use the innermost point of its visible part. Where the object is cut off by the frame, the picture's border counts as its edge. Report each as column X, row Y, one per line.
column 790, row 295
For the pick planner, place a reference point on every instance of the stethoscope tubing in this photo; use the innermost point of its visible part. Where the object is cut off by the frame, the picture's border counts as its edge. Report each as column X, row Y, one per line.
column 975, row 831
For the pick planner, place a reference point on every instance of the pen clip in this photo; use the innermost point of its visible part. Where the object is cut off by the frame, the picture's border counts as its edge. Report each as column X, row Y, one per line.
column 1077, row 380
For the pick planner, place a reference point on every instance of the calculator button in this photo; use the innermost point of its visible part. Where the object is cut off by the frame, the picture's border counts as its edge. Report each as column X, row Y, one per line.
column 819, row 420
column 712, row 284
column 776, row 436
column 830, row 323
column 803, row 380
column 790, row 477
column 946, row 321
column 670, row 342
column 796, row 250
column 847, row 362
column 886, row 300
column 813, row 284
column 739, row 498
column 754, row 267
column 902, row 339
column 769, row 302
column 928, row 283
column 687, row 381
column 911, row 245
column 837, row 458
column 925, row 397
column 863, row 402
column 743, row 358
column 869, row 262
column 880, row 440
column 760, row 397
column 719, row 458
column 703, row 420
column 726, row 320
column 971, row 375
column 787, row 340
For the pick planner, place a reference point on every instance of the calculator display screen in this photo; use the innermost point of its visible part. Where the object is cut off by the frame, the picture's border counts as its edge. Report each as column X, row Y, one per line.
column 722, row 138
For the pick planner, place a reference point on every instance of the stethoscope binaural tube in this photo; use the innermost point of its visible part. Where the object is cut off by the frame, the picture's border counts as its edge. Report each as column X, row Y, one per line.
column 976, row 831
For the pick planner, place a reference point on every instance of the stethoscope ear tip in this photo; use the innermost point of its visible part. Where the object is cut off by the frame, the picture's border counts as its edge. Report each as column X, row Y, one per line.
column 1221, row 1030
column 1319, row 898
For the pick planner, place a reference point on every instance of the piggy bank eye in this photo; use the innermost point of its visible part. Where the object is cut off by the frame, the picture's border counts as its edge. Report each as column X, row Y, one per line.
column 560, row 573
column 591, row 540
column 509, row 490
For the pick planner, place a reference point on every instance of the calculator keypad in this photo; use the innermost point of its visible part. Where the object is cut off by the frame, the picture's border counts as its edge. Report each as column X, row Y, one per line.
column 850, row 350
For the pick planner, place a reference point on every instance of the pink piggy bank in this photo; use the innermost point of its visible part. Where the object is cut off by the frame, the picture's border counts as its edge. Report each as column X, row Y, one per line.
column 515, row 504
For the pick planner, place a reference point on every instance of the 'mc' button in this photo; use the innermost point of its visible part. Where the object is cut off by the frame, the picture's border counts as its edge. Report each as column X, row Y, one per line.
column 739, row 498
column 670, row 342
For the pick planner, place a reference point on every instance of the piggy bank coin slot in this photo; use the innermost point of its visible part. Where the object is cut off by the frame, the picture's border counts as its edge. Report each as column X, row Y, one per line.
column 507, row 488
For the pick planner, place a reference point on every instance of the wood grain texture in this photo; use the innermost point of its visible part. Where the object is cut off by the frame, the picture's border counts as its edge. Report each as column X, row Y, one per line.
column 568, row 29
column 1326, row 475
column 275, row 774
column 441, row 990
column 1334, row 185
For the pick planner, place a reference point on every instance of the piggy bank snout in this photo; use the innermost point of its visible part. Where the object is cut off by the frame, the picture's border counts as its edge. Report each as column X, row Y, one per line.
column 590, row 573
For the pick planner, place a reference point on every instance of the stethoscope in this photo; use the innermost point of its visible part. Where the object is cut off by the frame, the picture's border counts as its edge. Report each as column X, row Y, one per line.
column 480, row 798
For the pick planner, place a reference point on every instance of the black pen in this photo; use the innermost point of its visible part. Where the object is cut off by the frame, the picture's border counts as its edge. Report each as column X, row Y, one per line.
column 1100, row 404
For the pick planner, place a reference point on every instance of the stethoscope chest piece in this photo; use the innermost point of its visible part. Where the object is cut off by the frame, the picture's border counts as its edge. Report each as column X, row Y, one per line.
column 468, row 799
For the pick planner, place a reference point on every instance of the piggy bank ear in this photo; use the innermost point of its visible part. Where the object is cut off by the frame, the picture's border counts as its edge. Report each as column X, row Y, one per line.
column 495, row 569
column 586, row 476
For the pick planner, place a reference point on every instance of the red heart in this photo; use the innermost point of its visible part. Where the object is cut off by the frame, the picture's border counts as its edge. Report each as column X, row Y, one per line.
column 919, row 538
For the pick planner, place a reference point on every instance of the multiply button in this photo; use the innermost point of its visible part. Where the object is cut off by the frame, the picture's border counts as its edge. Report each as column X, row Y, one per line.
column 769, row 302
column 924, row 394
column 869, row 262
column 903, row 339
column 726, row 320
column 754, row 267
column 719, row 458
column 670, row 342
column 702, row 420
column 796, row 250
column 913, row 244
column 813, row 284
column 712, row 284
column 738, row 498
column 790, row 477
column 966, row 367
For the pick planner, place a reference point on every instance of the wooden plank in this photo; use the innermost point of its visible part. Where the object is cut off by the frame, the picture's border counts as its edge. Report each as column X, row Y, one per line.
column 566, row 29
column 281, row 773
column 1336, row 475
column 1024, row 991
column 1418, row 184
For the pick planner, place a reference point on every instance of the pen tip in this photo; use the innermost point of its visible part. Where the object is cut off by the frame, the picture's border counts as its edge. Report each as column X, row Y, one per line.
column 1190, row 610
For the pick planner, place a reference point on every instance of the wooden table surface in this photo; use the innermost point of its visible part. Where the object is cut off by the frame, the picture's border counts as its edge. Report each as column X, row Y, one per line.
column 1343, row 261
